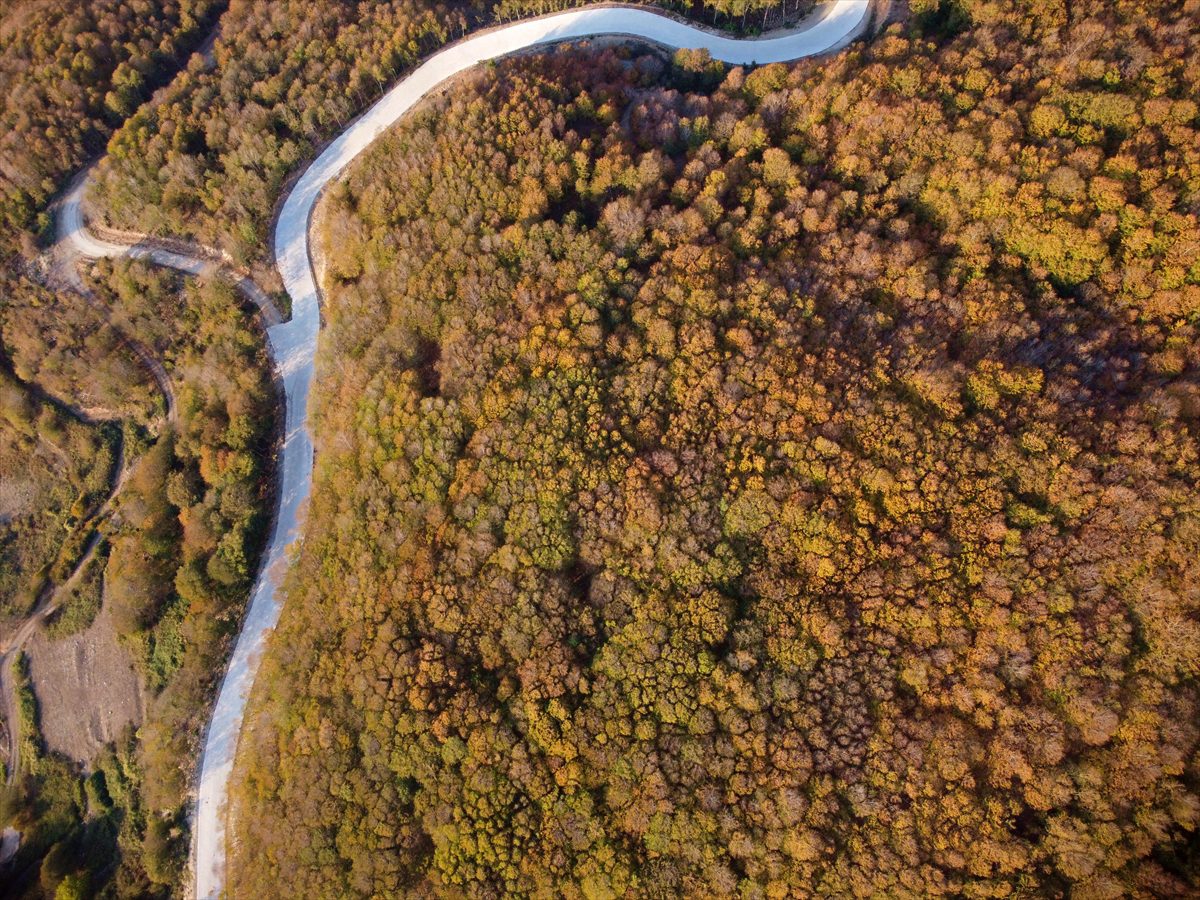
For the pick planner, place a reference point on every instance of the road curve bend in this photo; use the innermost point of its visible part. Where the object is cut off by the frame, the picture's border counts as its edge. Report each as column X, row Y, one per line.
column 293, row 345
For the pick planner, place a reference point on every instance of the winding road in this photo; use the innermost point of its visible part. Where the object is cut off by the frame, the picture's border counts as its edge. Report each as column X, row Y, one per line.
column 293, row 344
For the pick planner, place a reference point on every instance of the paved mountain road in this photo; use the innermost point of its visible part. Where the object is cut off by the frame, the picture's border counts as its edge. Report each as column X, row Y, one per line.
column 293, row 344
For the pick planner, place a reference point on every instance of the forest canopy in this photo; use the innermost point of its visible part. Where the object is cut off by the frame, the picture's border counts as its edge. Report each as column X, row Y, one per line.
column 69, row 73
column 773, row 483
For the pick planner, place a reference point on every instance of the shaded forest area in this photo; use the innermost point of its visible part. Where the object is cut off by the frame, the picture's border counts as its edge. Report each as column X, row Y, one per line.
column 763, row 483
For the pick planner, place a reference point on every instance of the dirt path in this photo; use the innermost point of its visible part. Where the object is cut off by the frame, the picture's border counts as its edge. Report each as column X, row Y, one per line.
column 64, row 272
column 77, row 240
column 9, row 689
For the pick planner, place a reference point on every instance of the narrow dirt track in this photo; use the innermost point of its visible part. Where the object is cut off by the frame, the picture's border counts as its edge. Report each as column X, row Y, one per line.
column 9, row 692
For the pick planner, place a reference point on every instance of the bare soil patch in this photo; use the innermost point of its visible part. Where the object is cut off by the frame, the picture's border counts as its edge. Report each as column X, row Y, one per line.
column 87, row 689
column 16, row 497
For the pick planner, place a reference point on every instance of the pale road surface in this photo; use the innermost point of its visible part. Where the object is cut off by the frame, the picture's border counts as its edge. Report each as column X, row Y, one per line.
column 293, row 345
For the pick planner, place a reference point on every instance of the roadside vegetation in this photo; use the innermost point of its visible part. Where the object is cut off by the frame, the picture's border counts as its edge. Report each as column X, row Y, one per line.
column 210, row 161
column 772, row 483
column 192, row 520
column 174, row 567
column 178, row 547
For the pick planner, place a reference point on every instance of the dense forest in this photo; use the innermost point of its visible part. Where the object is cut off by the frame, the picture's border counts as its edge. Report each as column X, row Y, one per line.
column 211, row 159
column 765, row 483
column 69, row 73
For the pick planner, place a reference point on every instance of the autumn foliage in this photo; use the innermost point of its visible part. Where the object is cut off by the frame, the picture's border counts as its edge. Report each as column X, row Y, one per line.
column 69, row 73
column 210, row 159
column 773, row 483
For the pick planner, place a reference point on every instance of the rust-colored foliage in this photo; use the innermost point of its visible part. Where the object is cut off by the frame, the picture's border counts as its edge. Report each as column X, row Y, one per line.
column 780, row 488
